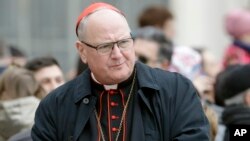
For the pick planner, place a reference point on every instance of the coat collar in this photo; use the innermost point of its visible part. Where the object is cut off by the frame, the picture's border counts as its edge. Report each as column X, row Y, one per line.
column 145, row 78
column 83, row 86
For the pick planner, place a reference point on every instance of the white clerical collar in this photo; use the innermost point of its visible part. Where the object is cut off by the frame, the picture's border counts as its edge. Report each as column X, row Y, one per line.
column 106, row 87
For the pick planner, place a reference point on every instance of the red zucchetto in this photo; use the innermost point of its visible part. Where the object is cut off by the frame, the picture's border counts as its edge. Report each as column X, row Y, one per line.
column 92, row 8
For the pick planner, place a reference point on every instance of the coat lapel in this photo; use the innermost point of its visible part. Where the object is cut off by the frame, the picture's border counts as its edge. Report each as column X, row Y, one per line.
column 84, row 101
column 147, row 84
column 85, row 110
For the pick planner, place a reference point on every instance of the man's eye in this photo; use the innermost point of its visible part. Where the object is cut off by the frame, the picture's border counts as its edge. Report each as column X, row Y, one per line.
column 59, row 80
column 45, row 81
column 106, row 46
column 123, row 43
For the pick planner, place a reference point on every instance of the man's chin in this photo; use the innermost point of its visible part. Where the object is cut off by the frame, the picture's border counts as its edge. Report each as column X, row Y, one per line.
column 120, row 77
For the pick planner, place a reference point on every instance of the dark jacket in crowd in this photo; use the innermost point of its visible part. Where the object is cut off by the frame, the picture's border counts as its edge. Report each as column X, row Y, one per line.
column 235, row 115
column 168, row 108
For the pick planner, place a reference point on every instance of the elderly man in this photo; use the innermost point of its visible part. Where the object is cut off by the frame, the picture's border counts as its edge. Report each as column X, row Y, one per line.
column 117, row 98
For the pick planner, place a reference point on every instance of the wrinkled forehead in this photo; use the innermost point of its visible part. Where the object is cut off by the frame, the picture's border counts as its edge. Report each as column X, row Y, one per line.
column 106, row 23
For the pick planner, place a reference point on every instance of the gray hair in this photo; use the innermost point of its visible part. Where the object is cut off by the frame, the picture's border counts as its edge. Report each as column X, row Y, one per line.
column 81, row 28
column 18, row 82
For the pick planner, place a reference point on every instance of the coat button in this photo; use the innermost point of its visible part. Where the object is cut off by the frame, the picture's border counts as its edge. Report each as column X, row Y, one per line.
column 114, row 129
column 112, row 92
column 114, row 104
column 85, row 101
column 113, row 117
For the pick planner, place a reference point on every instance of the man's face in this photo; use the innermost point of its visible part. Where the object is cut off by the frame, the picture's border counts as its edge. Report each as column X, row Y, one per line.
column 210, row 64
column 50, row 77
column 169, row 29
column 106, row 26
column 148, row 49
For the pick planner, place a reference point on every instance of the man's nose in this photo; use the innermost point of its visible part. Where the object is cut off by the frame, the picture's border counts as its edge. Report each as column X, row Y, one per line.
column 116, row 52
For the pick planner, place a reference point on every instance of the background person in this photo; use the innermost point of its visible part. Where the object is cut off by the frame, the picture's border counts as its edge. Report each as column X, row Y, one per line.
column 237, row 23
column 47, row 72
column 159, row 17
column 235, row 92
column 152, row 47
column 19, row 98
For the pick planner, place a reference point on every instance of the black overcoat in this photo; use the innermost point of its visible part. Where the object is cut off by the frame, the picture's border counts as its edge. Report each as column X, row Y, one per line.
column 169, row 104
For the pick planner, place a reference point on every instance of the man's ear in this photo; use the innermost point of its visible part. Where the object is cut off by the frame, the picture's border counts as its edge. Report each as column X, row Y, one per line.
column 81, row 51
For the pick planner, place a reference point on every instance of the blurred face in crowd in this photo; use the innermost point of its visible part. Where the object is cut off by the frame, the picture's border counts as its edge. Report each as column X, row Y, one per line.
column 147, row 49
column 169, row 29
column 50, row 77
column 211, row 65
column 110, row 64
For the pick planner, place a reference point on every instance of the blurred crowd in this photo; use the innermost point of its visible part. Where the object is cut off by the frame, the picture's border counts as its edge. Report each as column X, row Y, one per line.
column 223, row 86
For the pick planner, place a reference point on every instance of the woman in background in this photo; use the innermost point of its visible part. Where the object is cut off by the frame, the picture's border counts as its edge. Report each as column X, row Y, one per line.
column 19, row 98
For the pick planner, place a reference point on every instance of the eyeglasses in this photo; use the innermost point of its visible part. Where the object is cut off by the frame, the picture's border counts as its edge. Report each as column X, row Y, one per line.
column 106, row 48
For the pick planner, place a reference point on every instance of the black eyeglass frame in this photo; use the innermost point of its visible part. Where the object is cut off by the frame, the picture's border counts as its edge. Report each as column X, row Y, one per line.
column 97, row 46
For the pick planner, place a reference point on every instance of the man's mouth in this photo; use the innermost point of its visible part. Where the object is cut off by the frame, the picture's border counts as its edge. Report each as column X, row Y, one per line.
column 117, row 64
